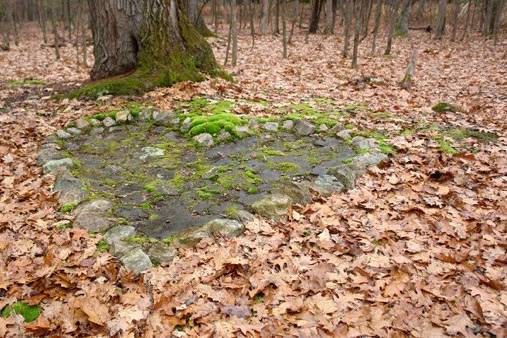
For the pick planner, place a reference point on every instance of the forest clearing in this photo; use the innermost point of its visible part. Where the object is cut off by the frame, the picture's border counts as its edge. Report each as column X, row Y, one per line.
column 253, row 168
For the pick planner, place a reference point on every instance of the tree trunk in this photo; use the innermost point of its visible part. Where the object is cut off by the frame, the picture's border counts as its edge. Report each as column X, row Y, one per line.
column 234, row 32
column 455, row 13
column 402, row 26
column 195, row 17
column 315, row 18
column 264, row 16
column 440, row 25
column 153, row 39
column 329, row 17
column 347, row 14
column 378, row 15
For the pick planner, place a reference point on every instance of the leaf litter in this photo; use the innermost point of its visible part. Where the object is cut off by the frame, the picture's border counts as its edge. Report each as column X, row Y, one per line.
column 418, row 248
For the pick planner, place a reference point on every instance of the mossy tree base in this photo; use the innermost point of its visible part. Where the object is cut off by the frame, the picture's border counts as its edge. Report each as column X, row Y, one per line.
column 143, row 44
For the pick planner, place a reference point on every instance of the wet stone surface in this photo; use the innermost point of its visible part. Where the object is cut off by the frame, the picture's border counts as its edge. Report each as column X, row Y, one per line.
column 158, row 182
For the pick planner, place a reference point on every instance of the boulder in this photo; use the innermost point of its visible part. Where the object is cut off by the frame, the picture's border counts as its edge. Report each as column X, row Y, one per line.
column 49, row 152
column 74, row 131
column 327, row 184
column 119, row 233
column 108, row 122
column 343, row 174
column 161, row 253
column 225, row 227
column 122, row 116
column 288, row 124
column 50, row 166
column 185, row 125
column 136, row 261
column 63, row 134
column 193, row 236
column 223, row 135
column 323, row 128
column 304, row 128
column 69, row 188
column 364, row 143
column 96, row 131
column 364, row 161
column 273, row 206
column 271, row 126
column 204, row 139
column 161, row 116
column 94, row 216
column 81, row 123
column 344, row 134
column 245, row 217
column 242, row 131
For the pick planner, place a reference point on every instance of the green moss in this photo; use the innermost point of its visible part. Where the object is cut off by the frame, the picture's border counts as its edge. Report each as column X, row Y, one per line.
column 153, row 217
column 25, row 82
column 272, row 152
column 145, row 206
column 445, row 146
column 252, row 190
column 169, row 240
column 151, row 186
column 207, row 192
column 463, row 133
column 348, row 161
column 213, row 124
column 178, row 180
column 407, row 132
column 386, row 148
column 444, row 107
column 68, row 207
column 29, row 313
column 141, row 240
column 362, row 151
column 287, row 167
column 102, row 246
column 231, row 212
column 252, row 177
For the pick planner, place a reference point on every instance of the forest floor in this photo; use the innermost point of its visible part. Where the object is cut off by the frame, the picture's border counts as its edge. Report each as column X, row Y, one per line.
column 418, row 248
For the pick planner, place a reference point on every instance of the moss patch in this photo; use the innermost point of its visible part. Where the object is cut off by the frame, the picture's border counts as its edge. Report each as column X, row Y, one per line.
column 444, row 107
column 29, row 313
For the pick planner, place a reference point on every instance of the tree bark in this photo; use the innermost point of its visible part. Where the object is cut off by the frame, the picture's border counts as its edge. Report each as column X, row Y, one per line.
column 315, row 18
column 264, row 16
column 440, row 25
column 153, row 40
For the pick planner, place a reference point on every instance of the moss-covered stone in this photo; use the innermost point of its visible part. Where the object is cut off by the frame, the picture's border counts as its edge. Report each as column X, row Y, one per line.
column 444, row 107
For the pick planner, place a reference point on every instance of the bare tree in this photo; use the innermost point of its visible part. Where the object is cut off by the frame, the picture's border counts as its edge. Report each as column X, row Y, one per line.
column 441, row 18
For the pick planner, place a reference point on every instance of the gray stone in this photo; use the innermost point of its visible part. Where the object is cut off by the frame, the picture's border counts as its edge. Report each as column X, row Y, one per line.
column 167, row 189
column 327, row 184
column 364, row 143
column 225, row 227
column 298, row 191
column 274, row 206
column 161, row 116
column 54, row 164
column 93, row 216
column 336, row 129
column 344, row 174
column 194, row 236
column 344, row 134
column 95, row 122
column 122, row 116
column 242, row 130
column 323, row 128
column 63, row 134
column 136, row 261
column 204, row 139
column 74, row 131
column 271, row 126
column 69, row 188
column 253, row 124
column 151, row 152
column 113, row 169
column 223, row 135
column 288, row 124
column 49, row 152
column 121, row 247
column 245, row 217
column 145, row 115
column 304, row 128
column 119, row 233
column 161, row 253
column 185, row 125
column 366, row 160
column 81, row 123
column 108, row 122
column 96, row 131
column 175, row 121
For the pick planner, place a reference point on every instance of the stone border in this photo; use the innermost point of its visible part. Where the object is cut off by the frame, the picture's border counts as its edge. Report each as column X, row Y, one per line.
column 138, row 256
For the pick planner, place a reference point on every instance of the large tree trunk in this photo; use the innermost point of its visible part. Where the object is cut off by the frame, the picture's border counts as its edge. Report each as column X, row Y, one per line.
column 152, row 40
